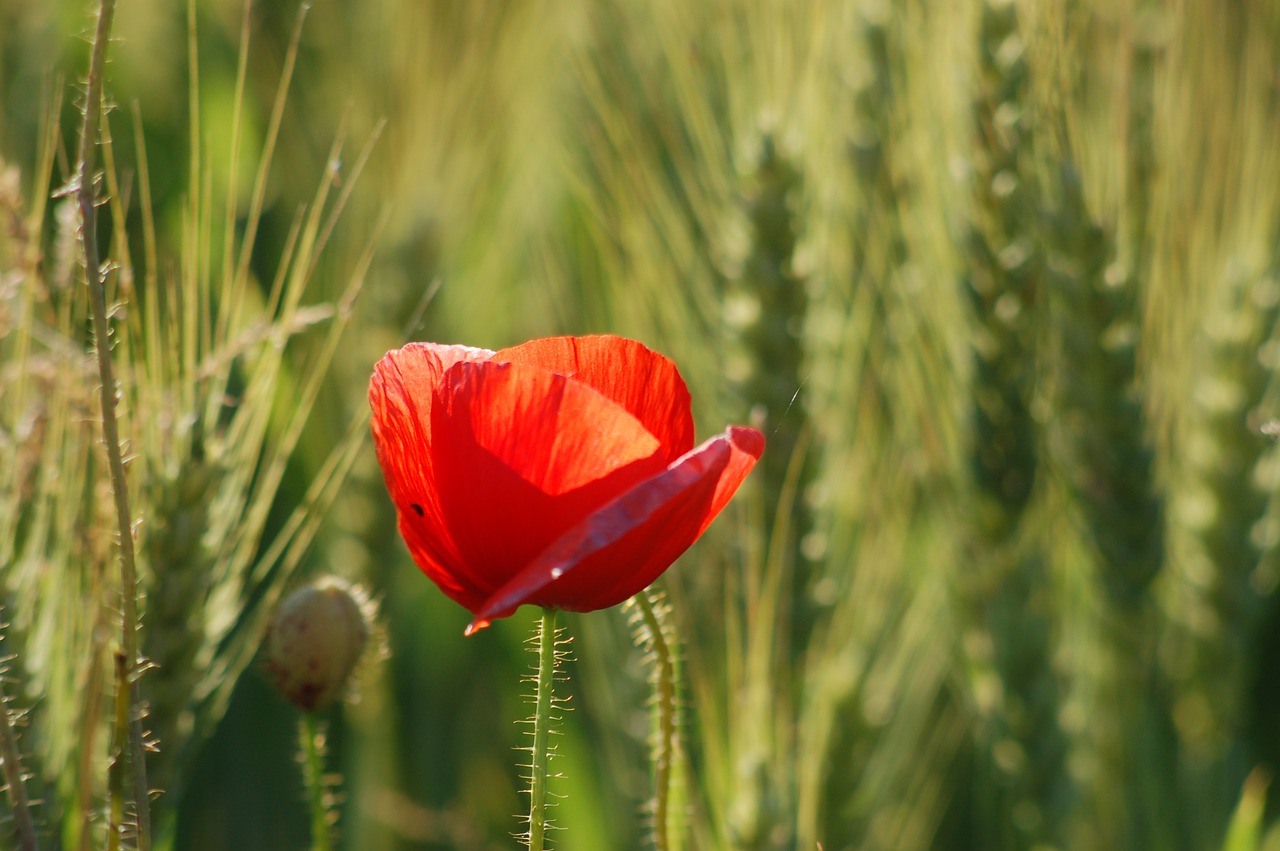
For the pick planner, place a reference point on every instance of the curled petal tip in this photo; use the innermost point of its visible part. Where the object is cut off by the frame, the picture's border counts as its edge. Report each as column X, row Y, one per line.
column 475, row 626
column 749, row 440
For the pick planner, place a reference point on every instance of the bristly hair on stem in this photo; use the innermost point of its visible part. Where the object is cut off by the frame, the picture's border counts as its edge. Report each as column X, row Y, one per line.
column 551, row 647
column 311, row 731
column 15, row 779
column 128, row 747
column 655, row 635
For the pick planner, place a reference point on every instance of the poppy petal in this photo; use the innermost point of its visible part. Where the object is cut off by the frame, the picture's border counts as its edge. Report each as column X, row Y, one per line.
column 631, row 374
column 400, row 393
column 617, row 551
column 523, row 454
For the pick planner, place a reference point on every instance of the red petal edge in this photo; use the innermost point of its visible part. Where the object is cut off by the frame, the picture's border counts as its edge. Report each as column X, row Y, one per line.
column 401, row 390
column 645, row 383
column 712, row 471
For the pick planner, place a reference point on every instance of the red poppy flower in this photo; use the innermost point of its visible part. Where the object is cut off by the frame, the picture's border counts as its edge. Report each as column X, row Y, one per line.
column 560, row 472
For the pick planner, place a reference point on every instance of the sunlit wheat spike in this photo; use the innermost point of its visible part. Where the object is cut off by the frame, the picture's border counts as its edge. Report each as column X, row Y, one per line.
column 57, row 495
column 181, row 571
column 1223, row 504
column 1010, row 640
column 1104, row 426
column 1103, row 422
column 765, row 299
column 765, row 311
column 1103, row 433
column 1003, row 275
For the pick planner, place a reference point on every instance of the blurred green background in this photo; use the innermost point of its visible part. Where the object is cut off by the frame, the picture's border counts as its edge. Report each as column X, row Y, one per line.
column 999, row 281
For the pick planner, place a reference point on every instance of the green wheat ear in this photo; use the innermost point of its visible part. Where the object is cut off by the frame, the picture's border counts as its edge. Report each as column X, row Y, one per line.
column 1003, row 276
column 1103, row 424
column 182, row 571
column 1222, row 506
column 764, row 310
column 765, row 306
column 1009, row 611
column 54, row 538
column 1103, row 441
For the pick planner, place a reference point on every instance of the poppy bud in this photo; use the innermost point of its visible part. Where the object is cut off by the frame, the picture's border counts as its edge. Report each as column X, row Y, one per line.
column 314, row 641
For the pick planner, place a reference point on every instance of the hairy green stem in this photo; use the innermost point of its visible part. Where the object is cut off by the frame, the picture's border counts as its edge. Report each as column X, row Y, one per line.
column 546, row 639
column 127, row 745
column 117, row 769
column 665, row 705
column 313, row 751
column 15, row 782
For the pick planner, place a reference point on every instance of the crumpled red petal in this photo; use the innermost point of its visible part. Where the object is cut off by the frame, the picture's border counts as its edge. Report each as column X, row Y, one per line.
column 618, row 550
column 639, row 379
column 521, row 455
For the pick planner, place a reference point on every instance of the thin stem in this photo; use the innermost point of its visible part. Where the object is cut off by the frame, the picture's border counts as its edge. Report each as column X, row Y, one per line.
column 546, row 639
column 15, row 780
column 313, row 749
column 116, row 771
column 128, row 744
column 665, row 706
column 81, row 831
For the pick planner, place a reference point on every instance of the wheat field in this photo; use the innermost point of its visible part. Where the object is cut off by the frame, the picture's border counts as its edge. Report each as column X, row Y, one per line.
column 998, row 280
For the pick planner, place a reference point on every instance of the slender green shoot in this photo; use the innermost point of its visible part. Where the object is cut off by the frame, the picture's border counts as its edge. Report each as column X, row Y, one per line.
column 312, row 733
column 654, row 639
column 128, row 744
column 544, row 641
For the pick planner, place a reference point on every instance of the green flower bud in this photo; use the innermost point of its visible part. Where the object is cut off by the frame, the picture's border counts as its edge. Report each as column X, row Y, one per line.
column 314, row 642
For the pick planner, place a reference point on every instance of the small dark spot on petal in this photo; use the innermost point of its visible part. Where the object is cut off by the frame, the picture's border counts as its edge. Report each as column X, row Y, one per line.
column 417, row 509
